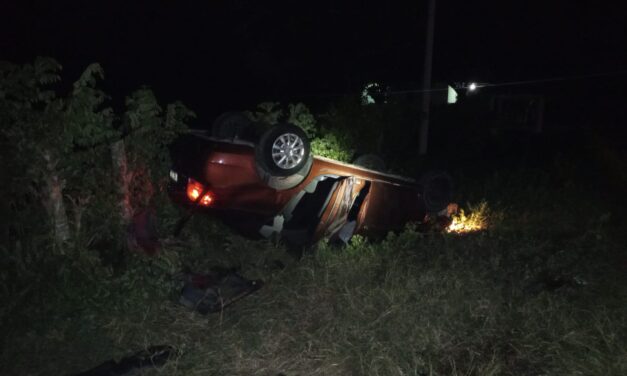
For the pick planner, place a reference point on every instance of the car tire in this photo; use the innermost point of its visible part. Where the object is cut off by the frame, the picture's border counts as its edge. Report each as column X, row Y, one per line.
column 371, row 162
column 283, row 150
column 231, row 126
column 437, row 190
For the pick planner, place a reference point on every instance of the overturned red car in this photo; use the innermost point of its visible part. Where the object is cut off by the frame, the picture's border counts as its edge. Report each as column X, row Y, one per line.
column 275, row 186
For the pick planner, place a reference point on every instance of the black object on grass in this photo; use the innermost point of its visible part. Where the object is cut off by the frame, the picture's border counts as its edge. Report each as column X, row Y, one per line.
column 153, row 356
column 212, row 292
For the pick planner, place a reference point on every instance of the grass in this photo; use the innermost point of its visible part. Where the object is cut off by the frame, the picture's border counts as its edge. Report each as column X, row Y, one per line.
column 541, row 291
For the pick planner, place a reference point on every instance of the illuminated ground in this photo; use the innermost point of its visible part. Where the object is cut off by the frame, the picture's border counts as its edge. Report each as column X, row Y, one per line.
column 540, row 291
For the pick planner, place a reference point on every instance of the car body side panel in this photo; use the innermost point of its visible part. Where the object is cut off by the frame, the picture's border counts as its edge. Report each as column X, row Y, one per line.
column 231, row 173
column 388, row 208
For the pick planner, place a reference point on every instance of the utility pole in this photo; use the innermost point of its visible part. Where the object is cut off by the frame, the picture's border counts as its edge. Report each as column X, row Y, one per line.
column 426, row 81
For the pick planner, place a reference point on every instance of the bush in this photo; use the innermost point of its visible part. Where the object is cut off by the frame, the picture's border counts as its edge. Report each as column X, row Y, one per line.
column 78, row 174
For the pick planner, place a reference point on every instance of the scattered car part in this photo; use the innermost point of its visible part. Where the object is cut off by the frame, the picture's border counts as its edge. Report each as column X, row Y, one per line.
column 437, row 190
column 212, row 292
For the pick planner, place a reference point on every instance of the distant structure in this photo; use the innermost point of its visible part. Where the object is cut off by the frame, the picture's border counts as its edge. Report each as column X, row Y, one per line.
column 521, row 112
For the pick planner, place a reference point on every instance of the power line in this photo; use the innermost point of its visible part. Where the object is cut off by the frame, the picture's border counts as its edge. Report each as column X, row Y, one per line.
column 563, row 78
column 523, row 82
column 479, row 85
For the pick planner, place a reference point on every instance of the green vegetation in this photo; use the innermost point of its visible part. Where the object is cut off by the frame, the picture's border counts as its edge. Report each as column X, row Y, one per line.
column 347, row 129
column 325, row 142
column 541, row 291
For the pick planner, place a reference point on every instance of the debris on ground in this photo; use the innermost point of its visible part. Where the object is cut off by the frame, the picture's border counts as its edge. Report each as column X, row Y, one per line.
column 214, row 291
column 154, row 356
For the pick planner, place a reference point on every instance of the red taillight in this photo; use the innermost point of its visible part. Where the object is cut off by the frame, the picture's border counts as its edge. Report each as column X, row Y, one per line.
column 195, row 189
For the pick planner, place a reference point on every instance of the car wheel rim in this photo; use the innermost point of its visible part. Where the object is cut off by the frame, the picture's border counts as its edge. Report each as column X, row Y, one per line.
column 288, row 150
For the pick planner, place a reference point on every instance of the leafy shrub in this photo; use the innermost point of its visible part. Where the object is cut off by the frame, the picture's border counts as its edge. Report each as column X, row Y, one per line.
column 332, row 146
column 300, row 115
column 325, row 142
column 78, row 173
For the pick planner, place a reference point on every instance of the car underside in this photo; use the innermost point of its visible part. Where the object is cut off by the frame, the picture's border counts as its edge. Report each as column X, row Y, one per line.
column 275, row 187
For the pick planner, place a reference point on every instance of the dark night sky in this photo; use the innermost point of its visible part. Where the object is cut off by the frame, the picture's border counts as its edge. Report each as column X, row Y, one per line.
column 222, row 55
